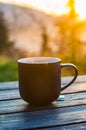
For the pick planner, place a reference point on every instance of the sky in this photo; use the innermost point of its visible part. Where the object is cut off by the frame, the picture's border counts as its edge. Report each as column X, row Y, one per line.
column 52, row 6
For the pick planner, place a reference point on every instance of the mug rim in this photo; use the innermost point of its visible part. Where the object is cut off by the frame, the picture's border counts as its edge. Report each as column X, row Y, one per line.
column 31, row 60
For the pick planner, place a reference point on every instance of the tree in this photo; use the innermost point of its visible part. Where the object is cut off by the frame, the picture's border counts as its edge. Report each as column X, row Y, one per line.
column 5, row 43
column 72, row 21
column 72, row 11
column 69, row 29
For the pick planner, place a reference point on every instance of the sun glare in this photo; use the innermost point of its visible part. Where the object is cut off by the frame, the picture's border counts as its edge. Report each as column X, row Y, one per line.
column 53, row 7
column 49, row 6
column 56, row 6
column 81, row 8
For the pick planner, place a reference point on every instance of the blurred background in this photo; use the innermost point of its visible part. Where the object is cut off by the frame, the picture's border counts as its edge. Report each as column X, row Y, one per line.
column 41, row 28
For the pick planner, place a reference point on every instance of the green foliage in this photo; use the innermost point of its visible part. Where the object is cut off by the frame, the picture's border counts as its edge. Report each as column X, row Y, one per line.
column 8, row 70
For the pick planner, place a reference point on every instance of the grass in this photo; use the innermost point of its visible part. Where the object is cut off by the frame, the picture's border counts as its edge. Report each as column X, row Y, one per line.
column 8, row 70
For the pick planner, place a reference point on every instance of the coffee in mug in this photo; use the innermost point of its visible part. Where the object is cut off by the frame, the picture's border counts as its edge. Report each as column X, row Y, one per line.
column 40, row 79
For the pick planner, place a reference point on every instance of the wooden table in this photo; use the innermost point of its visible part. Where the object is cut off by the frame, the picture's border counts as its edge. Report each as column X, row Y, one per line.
column 67, row 113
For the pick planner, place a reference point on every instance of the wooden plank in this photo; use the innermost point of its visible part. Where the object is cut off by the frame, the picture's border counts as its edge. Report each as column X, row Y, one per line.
column 18, row 105
column 63, row 114
column 9, row 94
column 44, row 118
column 8, row 85
column 14, row 93
column 81, row 78
column 14, row 84
column 77, row 87
column 81, row 126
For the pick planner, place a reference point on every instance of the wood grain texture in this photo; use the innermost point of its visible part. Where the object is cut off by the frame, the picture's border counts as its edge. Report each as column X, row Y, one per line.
column 14, row 84
column 9, row 94
column 80, row 126
column 8, row 85
column 66, row 114
column 44, row 118
column 18, row 105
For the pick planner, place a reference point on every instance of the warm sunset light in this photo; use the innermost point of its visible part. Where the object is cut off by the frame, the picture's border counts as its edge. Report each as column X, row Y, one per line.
column 55, row 7
column 81, row 8
column 52, row 7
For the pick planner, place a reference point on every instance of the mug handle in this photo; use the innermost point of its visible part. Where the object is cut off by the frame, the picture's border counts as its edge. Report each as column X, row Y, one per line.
column 75, row 76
